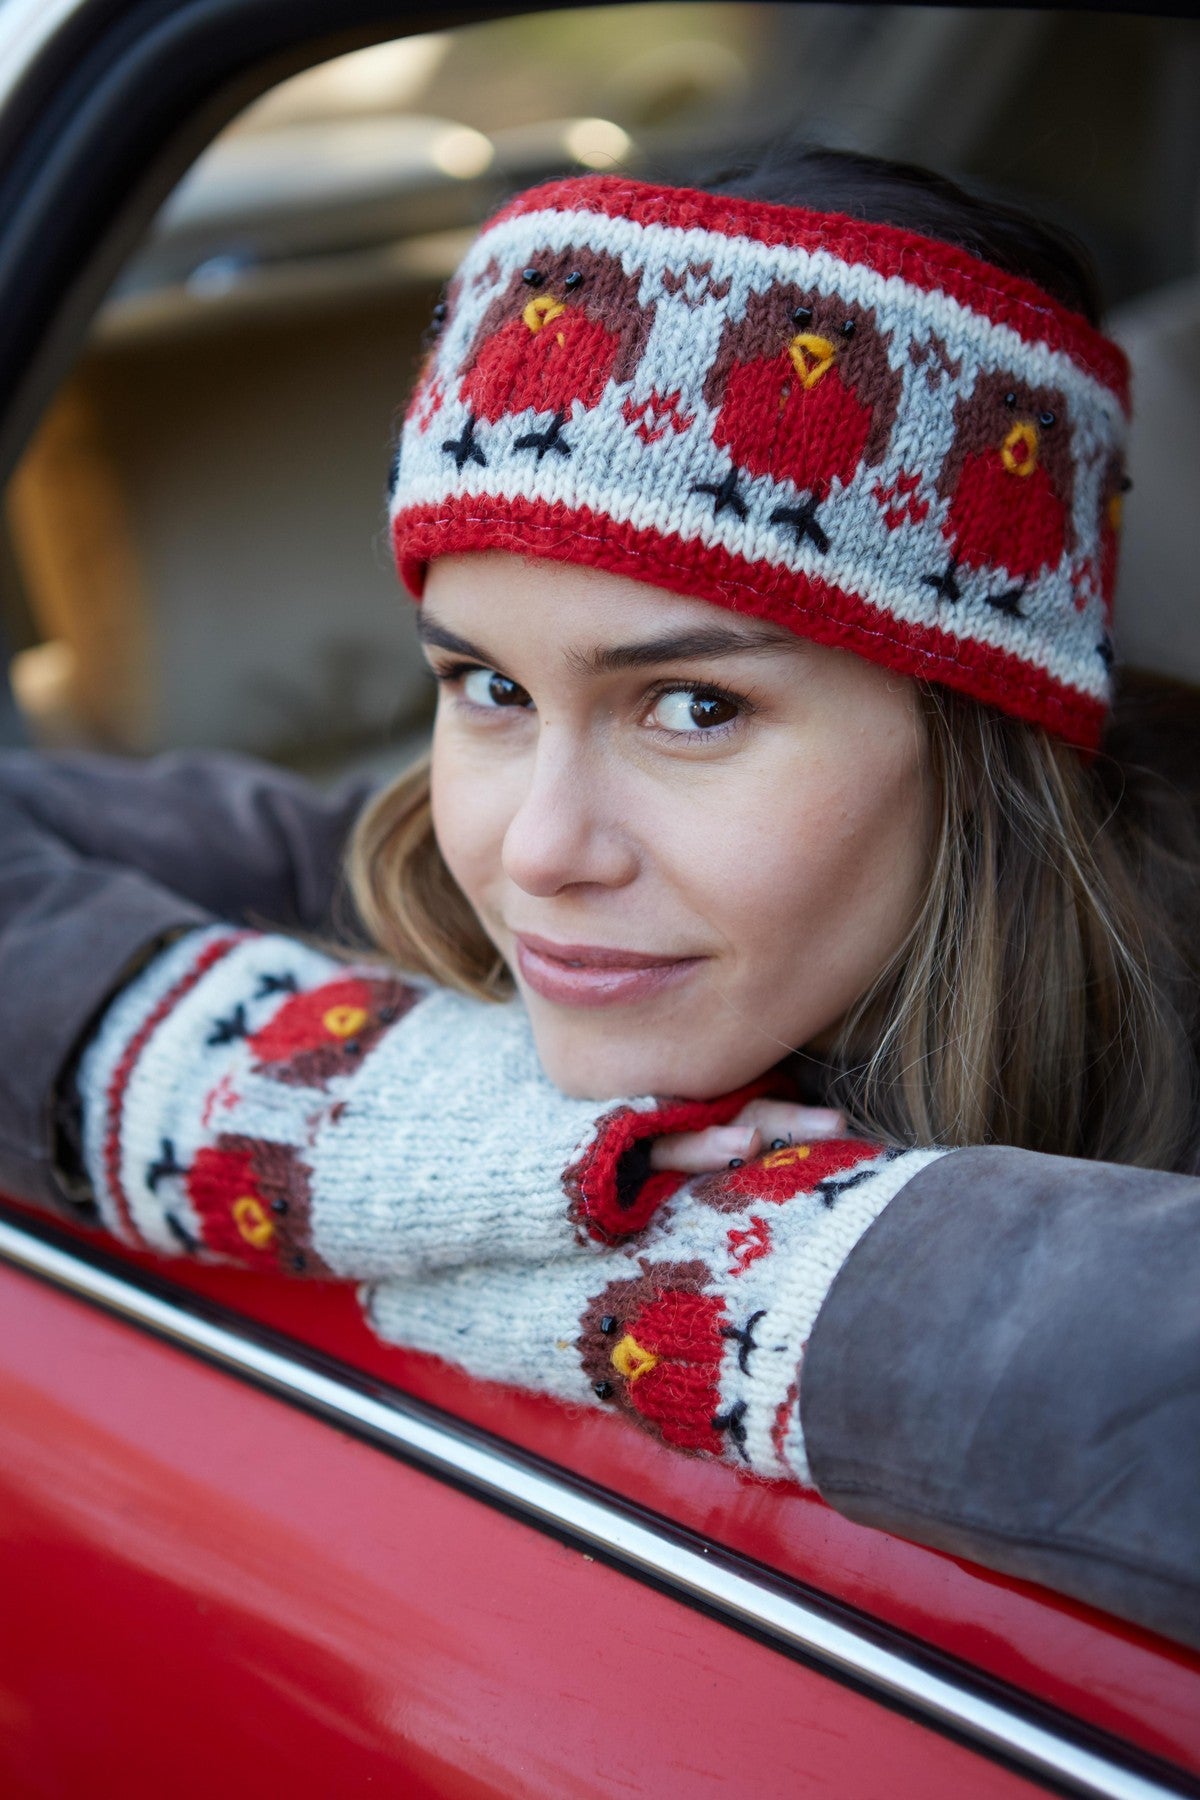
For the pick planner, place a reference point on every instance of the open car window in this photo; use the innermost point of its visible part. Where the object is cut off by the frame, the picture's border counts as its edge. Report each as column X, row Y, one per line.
column 193, row 550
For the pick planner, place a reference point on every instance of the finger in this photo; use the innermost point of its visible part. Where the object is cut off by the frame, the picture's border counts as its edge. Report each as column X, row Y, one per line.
column 698, row 1152
column 781, row 1119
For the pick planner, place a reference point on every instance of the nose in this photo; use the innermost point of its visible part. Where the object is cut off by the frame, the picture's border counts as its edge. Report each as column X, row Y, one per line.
column 567, row 831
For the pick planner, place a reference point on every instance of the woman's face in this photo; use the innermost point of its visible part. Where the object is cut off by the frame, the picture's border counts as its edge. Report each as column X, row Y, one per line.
column 694, row 838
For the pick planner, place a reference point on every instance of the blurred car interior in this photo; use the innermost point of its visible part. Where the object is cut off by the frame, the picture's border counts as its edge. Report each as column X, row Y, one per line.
column 193, row 548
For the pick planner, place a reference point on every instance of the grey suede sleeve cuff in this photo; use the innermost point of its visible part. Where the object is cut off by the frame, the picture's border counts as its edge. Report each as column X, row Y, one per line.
column 103, row 860
column 89, row 930
column 1008, row 1368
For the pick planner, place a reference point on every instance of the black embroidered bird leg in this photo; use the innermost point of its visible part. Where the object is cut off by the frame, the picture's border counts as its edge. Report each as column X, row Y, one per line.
column 178, row 1232
column 743, row 1336
column 275, row 984
column 550, row 439
column 227, row 1031
column 725, row 493
column 1009, row 601
column 166, row 1163
column 803, row 521
column 734, row 1422
column 465, row 449
column 944, row 585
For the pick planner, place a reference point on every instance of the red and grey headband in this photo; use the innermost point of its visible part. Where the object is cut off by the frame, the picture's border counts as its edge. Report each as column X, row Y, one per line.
column 873, row 439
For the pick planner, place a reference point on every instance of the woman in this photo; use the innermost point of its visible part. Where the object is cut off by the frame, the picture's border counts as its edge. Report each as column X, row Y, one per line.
column 766, row 557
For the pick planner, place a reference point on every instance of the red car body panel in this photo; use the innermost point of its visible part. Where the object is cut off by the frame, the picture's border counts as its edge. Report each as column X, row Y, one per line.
column 208, row 1592
column 124, row 1461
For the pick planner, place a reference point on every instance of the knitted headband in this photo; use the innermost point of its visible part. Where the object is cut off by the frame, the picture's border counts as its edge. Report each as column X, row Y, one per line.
column 874, row 439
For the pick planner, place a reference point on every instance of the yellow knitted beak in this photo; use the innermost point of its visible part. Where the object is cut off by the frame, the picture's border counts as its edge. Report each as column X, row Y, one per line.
column 250, row 1217
column 344, row 1021
column 811, row 356
column 1115, row 511
column 1020, row 449
column 630, row 1360
column 542, row 310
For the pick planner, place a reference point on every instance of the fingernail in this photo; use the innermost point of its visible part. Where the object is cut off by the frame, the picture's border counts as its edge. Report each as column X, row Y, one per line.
column 734, row 1140
column 823, row 1121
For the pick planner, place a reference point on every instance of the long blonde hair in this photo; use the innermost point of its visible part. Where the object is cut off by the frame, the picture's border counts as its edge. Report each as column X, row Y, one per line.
column 1046, row 995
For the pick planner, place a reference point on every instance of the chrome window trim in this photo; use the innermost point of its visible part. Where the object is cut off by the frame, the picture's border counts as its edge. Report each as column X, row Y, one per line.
column 703, row 1577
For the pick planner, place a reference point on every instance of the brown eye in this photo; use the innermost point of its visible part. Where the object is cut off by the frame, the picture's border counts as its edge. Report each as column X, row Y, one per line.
column 533, row 277
column 687, row 710
column 488, row 688
column 574, row 280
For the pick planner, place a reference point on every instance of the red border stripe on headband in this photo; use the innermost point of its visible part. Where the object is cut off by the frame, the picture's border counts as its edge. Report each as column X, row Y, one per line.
column 923, row 262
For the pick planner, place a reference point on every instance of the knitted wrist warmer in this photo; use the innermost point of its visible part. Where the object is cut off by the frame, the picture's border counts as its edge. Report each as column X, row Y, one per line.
column 696, row 1332
column 250, row 1097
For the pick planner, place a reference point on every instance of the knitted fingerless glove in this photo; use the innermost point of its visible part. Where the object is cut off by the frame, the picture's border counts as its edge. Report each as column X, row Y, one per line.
column 696, row 1332
column 249, row 1097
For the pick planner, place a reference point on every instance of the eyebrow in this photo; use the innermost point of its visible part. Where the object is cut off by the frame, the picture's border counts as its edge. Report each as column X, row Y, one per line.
column 672, row 646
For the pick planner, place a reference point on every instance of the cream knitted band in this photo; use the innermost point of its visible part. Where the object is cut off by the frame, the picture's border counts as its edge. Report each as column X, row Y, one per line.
column 876, row 440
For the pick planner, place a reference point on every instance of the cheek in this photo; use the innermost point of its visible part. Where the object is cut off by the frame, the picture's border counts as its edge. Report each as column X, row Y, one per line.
column 468, row 815
column 820, row 893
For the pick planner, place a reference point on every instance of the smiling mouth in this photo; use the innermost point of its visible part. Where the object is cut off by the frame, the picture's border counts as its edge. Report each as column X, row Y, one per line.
column 595, row 975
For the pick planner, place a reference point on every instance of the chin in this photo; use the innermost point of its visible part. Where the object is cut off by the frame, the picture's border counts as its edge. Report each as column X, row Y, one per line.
column 635, row 1067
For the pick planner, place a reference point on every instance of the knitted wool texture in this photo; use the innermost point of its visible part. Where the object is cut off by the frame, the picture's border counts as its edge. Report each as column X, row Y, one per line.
column 250, row 1099
column 876, row 440
column 696, row 1332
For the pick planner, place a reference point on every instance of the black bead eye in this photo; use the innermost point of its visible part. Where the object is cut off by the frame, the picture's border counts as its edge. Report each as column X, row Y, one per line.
column 849, row 328
column 603, row 1390
column 439, row 313
column 1126, row 483
column 608, row 1324
column 574, row 280
column 1045, row 420
column 802, row 315
column 1010, row 399
column 533, row 277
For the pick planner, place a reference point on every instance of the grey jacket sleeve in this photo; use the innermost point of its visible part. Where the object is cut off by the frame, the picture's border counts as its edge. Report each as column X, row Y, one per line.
column 1007, row 1367
column 103, row 860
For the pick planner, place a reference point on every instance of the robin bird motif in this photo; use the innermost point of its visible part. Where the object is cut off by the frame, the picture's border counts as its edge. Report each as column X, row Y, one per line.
column 551, row 341
column 1010, row 482
column 822, row 1168
column 252, row 1201
column 805, row 393
column 328, row 1031
column 654, row 1344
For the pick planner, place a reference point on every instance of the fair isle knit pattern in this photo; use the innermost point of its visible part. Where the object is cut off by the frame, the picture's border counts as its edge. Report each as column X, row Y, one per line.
column 697, row 1331
column 252, row 1100
column 875, row 440
column 250, row 1097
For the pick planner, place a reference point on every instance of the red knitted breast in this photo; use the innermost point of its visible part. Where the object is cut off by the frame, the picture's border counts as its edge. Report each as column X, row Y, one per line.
column 680, row 1396
column 568, row 360
column 1005, row 521
column 772, row 425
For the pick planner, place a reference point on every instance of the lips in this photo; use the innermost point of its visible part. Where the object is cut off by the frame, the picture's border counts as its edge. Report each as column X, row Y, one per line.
column 597, row 975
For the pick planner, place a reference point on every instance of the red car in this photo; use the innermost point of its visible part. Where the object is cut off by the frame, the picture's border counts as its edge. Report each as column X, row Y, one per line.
column 247, row 1548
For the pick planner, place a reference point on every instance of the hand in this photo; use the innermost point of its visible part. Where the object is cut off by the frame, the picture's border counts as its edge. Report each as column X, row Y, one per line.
column 758, row 1127
column 695, row 1330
